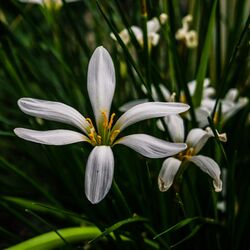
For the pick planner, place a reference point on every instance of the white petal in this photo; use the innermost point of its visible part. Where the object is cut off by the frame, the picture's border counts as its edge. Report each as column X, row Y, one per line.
column 167, row 173
column 138, row 34
column 124, row 35
column 210, row 167
column 149, row 110
column 165, row 92
column 197, row 138
column 154, row 38
column 175, row 126
column 32, row 1
column 208, row 104
column 54, row 111
column 50, row 137
column 208, row 92
column 153, row 25
column 232, row 94
column 125, row 107
column 201, row 115
column 101, row 82
column 150, row 146
column 99, row 173
column 230, row 110
column 191, row 87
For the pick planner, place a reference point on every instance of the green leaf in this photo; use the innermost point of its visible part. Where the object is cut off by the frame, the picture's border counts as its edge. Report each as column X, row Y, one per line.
column 204, row 58
column 118, row 225
column 51, row 240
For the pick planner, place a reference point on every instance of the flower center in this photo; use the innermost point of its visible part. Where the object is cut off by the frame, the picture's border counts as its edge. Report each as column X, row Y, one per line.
column 185, row 155
column 105, row 135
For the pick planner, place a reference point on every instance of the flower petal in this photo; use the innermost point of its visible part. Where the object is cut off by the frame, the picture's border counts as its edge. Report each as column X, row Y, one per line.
column 150, row 146
column 99, row 173
column 229, row 108
column 54, row 111
column 138, row 34
column 197, row 138
column 148, row 110
column 210, row 167
column 153, row 25
column 101, row 82
column 125, row 107
column 154, row 38
column 167, row 173
column 175, row 126
column 50, row 137
column 232, row 95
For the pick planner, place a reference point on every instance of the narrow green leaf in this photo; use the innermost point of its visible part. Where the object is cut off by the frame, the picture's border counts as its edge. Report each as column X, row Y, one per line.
column 201, row 73
column 186, row 222
column 118, row 225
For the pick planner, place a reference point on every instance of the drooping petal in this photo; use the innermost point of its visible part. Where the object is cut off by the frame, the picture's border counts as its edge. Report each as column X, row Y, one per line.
column 150, row 146
column 175, row 126
column 210, row 167
column 167, row 173
column 54, row 111
column 148, row 110
column 50, row 137
column 101, row 82
column 99, row 173
column 197, row 138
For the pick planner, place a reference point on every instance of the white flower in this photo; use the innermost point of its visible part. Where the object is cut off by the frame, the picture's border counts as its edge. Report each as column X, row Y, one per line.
column 190, row 37
column 153, row 26
column 230, row 105
column 48, row 3
column 195, row 141
column 102, row 135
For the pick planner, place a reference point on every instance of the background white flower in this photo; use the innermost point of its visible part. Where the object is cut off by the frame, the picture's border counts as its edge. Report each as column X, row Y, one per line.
column 189, row 37
column 195, row 141
column 153, row 26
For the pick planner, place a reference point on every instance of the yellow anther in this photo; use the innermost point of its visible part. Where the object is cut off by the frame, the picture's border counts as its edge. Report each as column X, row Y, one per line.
column 92, row 139
column 90, row 122
column 111, row 121
column 105, row 119
column 99, row 139
column 92, row 135
column 113, row 135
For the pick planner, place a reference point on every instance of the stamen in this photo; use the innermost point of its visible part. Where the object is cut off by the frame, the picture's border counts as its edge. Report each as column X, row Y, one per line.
column 90, row 122
column 92, row 136
column 111, row 121
column 99, row 139
column 189, row 153
column 105, row 119
column 113, row 135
